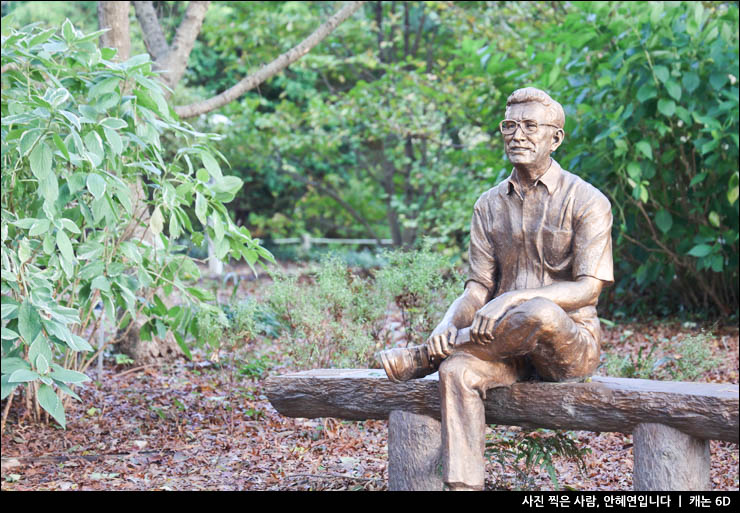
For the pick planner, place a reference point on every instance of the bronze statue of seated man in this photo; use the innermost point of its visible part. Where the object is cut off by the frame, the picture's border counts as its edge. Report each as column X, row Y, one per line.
column 540, row 252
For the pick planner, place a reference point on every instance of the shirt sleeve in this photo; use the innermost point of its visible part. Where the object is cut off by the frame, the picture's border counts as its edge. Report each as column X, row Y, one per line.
column 481, row 256
column 592, row 241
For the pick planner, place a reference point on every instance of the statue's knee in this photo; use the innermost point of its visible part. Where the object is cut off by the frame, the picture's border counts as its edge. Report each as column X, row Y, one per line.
column 454, row 371
column 539, row 311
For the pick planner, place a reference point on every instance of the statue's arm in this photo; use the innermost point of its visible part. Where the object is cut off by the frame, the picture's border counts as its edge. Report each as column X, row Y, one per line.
column 459, row 315
column 569, row 295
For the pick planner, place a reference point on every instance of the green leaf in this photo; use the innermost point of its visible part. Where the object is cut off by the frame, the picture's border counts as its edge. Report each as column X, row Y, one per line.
column 115, row 141
column 6, row 312
column 67, row 376
column 645, row 148
column 200, row 294
column 690, row 81
column 76, row 182
column 69, row 225
column 646, row 92
column 113, row 123
column 664, row 220
column 667, row 107
column 102, row 283
column 105, row 86
column 68, row 31
column 131, row 252
column 201, row 207
column 60, row 145
column 662, row 73
column 96, row 185
column 156, row 222
column 29, row 321
column 77, row 343
column 183, row 346
column 49, row 188
column 211, row 165
column 72, row 118
column 12, row 364
column 228, row 184
column 673, row 89
column 700, row 250
column 718, row 80
column 50, row 402
column 7, row 387
column 202, row 175
column 22, row 376
column 643, row 193
column 553, row 75
column 698, row 178
column 94, row 145
column 65, row 246
column 40, row 159
column 714, row 219
column 28, row 140
column 64, row 388
column 42, row 365
column 41, row 38
column 175, row 230
column 218, row 226
column 39, row 227
column 40, row 347
column 732, row 194
column 634, row 171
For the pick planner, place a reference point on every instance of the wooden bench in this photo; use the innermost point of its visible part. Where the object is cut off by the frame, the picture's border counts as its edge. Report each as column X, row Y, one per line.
column 671, row 422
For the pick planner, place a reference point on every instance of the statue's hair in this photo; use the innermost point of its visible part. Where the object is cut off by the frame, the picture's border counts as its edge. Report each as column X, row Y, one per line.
column 532, row 94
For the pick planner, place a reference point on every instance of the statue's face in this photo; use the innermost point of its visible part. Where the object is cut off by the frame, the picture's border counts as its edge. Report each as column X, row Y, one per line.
column 531, row 149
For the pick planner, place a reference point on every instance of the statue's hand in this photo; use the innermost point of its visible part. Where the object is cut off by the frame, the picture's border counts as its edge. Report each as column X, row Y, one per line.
column 481, row 331
column 442, row 341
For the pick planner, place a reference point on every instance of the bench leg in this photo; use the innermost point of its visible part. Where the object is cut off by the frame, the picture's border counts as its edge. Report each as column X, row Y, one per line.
column 667, row 459
column 414, row 450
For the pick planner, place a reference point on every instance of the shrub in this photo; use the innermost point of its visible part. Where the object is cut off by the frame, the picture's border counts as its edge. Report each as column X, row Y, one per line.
column 656, row 128
column 685, row 360
column 91, row 208
column 536, row 448
column 335, row 317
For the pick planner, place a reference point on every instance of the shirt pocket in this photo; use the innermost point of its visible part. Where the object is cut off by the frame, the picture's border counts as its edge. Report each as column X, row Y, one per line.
column 556, row 247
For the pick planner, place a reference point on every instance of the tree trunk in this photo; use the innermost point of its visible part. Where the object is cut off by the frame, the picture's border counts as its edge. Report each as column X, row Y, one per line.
column 114, row 16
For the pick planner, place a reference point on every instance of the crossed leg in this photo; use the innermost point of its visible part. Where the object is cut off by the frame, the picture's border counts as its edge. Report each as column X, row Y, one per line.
column 536, row 334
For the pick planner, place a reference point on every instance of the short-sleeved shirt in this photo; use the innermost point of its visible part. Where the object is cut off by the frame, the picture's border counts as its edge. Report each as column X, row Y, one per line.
column 559, row 231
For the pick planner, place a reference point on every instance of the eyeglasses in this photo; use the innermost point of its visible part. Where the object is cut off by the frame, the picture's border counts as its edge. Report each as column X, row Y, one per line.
column 528, row 126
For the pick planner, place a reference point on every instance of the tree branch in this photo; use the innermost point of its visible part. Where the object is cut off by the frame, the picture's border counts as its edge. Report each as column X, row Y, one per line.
column 176, row 62
column 154, row 39
column 282, row 62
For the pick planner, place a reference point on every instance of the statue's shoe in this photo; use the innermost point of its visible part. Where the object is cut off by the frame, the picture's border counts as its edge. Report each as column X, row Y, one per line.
column 405, row 363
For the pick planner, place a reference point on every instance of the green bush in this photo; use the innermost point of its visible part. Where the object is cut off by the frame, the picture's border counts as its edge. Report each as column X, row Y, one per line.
column 536, row 448
column 91, row 208
column 423, row 284
column 331, row 321
column 334, row 318
column 684, row 360
column 655, row 126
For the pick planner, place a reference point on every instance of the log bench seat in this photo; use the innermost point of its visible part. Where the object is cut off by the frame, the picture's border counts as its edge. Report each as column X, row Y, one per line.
column 671, row 422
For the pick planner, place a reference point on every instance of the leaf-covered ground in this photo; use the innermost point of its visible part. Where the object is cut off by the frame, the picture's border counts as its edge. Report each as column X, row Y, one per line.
column 202, row 426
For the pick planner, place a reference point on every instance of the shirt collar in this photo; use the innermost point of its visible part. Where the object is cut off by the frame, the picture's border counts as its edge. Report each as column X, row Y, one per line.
column 550, row 179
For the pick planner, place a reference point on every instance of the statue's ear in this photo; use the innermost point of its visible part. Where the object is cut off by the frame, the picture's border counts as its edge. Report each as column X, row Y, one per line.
column 557, row 139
